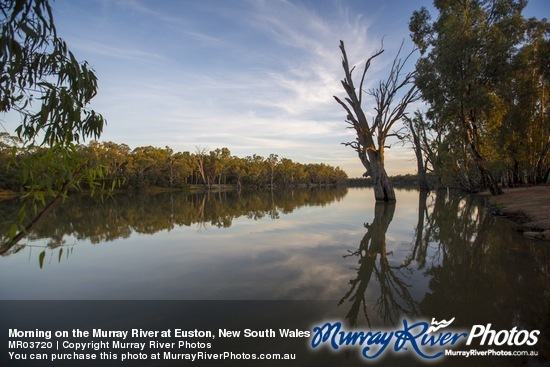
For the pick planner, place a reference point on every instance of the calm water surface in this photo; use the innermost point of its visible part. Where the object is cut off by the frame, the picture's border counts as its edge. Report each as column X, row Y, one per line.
column 428, row 255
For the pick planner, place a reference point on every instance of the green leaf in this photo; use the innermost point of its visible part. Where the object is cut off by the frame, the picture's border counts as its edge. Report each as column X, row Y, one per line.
column 41, row 258
column 17, row 8
column 28, row 30
column 13, row 231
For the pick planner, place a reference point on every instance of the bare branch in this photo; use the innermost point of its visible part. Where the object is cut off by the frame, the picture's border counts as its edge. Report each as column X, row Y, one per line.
column 387, row 112
column 367, row 66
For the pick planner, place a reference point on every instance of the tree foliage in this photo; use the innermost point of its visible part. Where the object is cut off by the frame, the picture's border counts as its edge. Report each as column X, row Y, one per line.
column 41, row 79
column 48, row 90
column 149, row 167
column 484, row 73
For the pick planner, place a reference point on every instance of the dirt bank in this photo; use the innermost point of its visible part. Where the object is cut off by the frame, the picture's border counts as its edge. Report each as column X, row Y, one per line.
column 529, row 207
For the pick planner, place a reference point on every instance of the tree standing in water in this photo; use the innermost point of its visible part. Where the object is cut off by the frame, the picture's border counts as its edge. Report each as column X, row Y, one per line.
column 371, row 137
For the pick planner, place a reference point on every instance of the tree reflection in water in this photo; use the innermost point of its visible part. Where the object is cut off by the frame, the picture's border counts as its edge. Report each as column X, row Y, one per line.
column 395, row 299
column 475, row 271
column 450, row 259
column 121, row 216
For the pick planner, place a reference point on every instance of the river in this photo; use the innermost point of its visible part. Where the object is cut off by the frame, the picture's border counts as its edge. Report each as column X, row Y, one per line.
column 430, row 255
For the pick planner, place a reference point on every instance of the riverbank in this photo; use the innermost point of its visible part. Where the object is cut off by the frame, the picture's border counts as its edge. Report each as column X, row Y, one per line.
column 529, row 207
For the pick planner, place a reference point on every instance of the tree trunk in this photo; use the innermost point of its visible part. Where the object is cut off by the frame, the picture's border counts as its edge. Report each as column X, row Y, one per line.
column 469, row 132
column 387, row 113
column 487, row 178
column 420, row 166
column 383, row 188
column 545, row 178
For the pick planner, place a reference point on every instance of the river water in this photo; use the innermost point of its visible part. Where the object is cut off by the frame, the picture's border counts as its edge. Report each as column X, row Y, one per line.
column 430, row 255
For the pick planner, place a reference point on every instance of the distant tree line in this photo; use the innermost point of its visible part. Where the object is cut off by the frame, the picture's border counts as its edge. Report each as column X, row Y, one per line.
column 406, row 181
column 148, row 167
column 44, row 85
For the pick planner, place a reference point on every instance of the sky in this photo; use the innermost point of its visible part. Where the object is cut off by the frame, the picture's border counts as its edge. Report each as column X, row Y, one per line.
column 254, row 76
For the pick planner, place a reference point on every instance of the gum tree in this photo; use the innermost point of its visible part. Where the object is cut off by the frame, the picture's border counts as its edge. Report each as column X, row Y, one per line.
column 391, row 98
column 466, row 55
column 47, row 89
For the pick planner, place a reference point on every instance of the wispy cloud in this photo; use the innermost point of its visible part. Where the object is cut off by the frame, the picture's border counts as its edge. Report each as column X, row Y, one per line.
column 256, row 76
column 119, row 52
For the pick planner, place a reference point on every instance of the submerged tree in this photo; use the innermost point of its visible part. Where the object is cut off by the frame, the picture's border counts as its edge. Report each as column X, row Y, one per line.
column 42, row 82
column 391, row 98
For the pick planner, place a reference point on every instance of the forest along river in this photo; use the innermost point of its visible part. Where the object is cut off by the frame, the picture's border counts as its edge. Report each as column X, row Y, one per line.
column 428, row 255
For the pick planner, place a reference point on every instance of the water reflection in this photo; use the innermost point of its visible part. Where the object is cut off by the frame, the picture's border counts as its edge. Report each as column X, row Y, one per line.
column 460, row 262
column 121, row 216
column 430, row 255
column 481, row 269
column 394, row 298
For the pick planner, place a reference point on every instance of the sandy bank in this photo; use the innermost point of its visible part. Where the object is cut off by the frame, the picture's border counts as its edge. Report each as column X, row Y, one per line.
column 529, row 207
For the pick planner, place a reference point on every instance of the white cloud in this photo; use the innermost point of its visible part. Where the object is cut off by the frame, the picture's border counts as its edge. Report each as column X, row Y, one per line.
column 257, row 76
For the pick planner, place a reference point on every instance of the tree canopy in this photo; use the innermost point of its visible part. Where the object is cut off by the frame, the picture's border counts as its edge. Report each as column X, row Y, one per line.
column 484, row 73
column 148, row 167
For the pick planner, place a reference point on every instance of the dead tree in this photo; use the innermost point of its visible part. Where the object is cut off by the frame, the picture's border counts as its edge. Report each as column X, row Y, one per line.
column 371, row 137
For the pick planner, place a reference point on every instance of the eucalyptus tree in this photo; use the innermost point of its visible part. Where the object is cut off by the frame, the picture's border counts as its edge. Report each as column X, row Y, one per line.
column 146, row 165
column 113, row 157
column 255, row 170
column 182, row 163
column 9, row 150
column 237, row 169
column 286, row 171
column 200, row 157
column 272, row 162
column 391, row 98
column 466, row 55
column 222, row 160
column 43, row 84
column 527, row 105
column 440, row 151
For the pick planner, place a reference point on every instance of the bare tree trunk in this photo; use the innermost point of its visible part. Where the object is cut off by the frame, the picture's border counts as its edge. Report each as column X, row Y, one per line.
column 200, row 153
column 388, row 111
column 374, row 165
column 383, row 188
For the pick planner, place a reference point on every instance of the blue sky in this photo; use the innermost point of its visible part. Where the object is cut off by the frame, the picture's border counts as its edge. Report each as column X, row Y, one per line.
column 255, row 76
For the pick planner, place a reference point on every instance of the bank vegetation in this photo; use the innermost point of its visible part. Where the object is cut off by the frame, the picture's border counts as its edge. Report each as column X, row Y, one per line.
column 148, row 168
